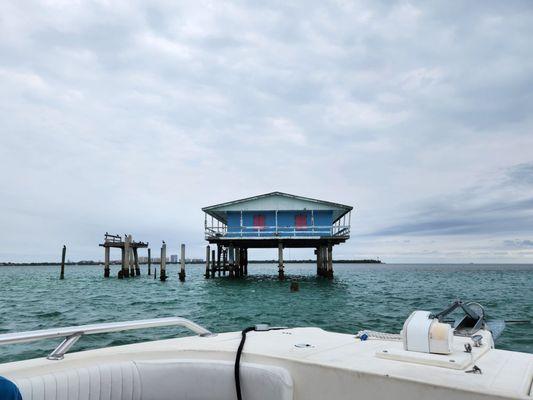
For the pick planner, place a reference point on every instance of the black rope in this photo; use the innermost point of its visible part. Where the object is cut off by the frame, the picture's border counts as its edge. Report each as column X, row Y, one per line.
column 238, row 361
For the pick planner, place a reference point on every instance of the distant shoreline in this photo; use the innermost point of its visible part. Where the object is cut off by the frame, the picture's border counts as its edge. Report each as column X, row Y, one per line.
column 310, row 261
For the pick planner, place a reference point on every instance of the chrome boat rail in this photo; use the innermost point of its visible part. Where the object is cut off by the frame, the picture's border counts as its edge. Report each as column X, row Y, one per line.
column 71, row 334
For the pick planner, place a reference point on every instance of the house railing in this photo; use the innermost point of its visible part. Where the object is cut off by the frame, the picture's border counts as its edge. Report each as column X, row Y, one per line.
column 276, row 231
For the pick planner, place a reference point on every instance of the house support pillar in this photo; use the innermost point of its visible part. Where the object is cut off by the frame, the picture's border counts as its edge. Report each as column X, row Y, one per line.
column 238, row 262
column 213, row 263
column 231, row 260
column 224, row 261
column 207, row 263
column 329, row 267
column 281, row 273
column 219, row 250
column 245, row 256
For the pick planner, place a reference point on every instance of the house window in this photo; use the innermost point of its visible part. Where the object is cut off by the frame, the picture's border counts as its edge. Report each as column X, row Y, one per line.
column 300, row 221
column 259, row 221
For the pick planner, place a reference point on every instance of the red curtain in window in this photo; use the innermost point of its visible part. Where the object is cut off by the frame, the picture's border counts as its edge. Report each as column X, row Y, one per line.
column 300, row 221
column 259, row 221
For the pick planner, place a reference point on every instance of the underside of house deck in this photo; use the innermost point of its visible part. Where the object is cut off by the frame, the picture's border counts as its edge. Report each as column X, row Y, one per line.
column 230, row 255
column 273, row 243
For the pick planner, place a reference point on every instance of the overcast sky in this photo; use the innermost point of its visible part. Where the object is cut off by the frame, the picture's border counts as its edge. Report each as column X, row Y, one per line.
column 128, row 116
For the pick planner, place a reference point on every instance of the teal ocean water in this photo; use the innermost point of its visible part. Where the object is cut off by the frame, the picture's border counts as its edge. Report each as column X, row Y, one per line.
column 370, row 296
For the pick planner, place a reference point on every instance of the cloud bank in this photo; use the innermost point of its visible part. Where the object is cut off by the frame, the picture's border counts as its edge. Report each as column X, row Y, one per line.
column 130, row 116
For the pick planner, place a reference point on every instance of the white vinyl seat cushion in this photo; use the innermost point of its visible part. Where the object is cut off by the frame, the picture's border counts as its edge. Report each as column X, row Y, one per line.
column 160, row 380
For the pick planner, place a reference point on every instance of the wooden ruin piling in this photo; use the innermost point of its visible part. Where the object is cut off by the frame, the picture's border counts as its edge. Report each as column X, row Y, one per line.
column 163, row 267
column 181, row 274
column 295, row 286
column 136, row 261
column 149, row 262
column 107, row 270
column 129, row 254
column 63, row 255
column 126, row 258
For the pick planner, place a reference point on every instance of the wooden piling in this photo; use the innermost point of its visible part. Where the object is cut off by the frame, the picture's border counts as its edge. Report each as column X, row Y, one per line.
column 63, row 255
column 136, row 260
column 213, row 263
column 281, row 272
column 246, row 261
column 219, row 250
column 329, row 269
column 295, row 286
column 149, row 262
column 224, row 261
column 120, row 274
column 181, row 274
column 317, row 263
column 106, row 262
column 231, row 261
column 207, row 263
column 237, row 262
column 163, row 272
column 155, row 273
column 130, row 258
column 126, row 258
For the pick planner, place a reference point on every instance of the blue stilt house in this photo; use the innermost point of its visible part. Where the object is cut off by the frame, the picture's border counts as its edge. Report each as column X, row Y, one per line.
column 276, row 220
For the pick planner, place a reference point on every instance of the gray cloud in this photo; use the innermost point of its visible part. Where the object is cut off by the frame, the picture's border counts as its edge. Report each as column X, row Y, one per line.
column 518, row 243
column 128, row 116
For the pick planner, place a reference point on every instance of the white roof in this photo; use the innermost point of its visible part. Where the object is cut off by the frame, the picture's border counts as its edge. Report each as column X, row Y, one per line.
column 276, row 201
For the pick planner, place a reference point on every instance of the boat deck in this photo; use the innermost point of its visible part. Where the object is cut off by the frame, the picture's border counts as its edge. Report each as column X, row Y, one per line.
column 331, row 365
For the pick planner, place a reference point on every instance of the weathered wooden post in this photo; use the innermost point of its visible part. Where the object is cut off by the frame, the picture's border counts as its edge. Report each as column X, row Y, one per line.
column 238, row 262
column 63, row 254
column 231, row 251
column 207, row 263
column 163, row 272
column 224, row 261
column 329, row 271
column 120, row 273
column 149, row 262
column 319, row 260
column 155, row 273
column 245, row 252
column 106, row 262
column 136, row 261
column 130, row 258
column 181, row 275
column 281, row 273
column 219, row 250
column 126, row 258
column 213, row 263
